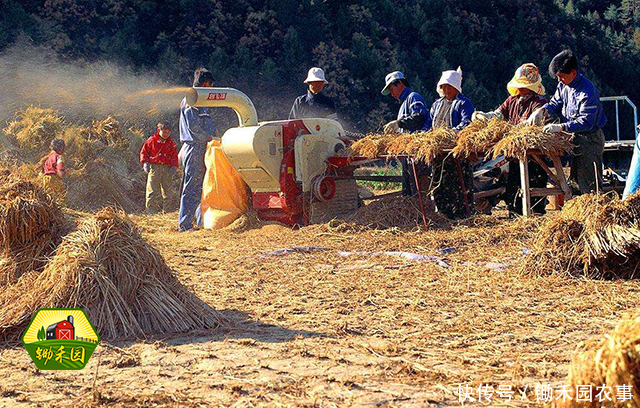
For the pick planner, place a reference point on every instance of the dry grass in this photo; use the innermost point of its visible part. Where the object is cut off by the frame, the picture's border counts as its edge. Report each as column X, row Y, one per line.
column 390, row 213
column 597, row 236
column 424, row 146
column 529, row 137
column 613, row 361
column 480, row 136
column 372, row 145
column 106, row 268
column 31, row 226
column 34, row 127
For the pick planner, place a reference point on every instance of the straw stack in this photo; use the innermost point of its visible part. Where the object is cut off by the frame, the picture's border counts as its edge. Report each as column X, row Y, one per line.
column 612, row 361
column 479, row 138
column 596, row 236
column 31, row 226
column 106, row 268
column 530, row 137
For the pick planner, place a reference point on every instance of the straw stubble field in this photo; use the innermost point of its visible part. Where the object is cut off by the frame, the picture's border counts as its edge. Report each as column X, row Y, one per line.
column 325, row 328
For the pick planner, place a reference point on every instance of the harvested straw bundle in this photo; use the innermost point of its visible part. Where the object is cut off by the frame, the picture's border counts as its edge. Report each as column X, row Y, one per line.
column 35, row 127
column 403, row 144
column 528, row 137
column 31, row 224
column 480, row 136
column 428, row 146
column 596, row 236
column 372, row 145
column 109, row 270
column 108, row 131
column 613, row 361
column 395, row 212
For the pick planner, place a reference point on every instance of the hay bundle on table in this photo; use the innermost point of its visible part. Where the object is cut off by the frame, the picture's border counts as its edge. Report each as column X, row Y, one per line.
column 428, row 146
column 372, row 145
column 595, row 236
column 35, row 127
column 31, row 225
column 403, row 144
column 107, row 268
column 394, row 212
column 480, row 136
column 612, row 361
column 530, row 137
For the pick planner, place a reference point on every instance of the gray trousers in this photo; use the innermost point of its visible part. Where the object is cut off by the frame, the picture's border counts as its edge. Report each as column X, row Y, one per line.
column 587, row 152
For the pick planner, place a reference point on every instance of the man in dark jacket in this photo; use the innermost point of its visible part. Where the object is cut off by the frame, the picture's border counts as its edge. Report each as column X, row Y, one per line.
column 413, row 116
column 314, row 104
column 577, row 104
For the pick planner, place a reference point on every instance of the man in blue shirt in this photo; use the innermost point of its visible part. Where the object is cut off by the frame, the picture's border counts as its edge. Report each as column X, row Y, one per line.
column 314, row 104
column 196, row 130
column 412, row 117
column 577, row 104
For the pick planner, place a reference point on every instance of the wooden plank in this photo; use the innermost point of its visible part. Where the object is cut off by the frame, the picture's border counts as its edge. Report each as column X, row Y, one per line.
column 524, row 186
column 546, row 168
column 489, row 193
column 377, row 197
column 543, row 192
column 557, row 164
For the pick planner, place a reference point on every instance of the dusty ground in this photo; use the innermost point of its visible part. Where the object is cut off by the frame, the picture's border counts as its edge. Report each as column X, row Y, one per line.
column 327, row 329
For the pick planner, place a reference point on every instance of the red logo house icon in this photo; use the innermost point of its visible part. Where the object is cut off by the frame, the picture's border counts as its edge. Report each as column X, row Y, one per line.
column 61, row 330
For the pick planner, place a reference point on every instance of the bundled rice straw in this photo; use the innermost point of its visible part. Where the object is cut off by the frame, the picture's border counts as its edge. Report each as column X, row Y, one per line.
column 612, row 361
column 35, row 127
column 528, row 137
column 372, row 145
column 31, row 225
column 428, row 146
column 403, row 144
column 106, row 268
column 596, row 236
column 394, row 212
column 480, row 136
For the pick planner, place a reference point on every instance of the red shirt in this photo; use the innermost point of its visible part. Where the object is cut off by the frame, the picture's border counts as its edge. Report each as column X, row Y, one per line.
column 158, row 151
column 53, row 163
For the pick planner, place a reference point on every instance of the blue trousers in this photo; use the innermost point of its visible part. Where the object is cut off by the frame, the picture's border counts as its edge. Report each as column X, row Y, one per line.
column 194, row 171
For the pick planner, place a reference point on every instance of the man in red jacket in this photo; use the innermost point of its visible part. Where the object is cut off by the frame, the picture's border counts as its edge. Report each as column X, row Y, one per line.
column 159, row 158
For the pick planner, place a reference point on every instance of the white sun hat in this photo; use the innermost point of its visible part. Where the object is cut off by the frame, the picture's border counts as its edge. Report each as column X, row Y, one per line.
column 453, row 78
column 389, row 79
column 315, row 75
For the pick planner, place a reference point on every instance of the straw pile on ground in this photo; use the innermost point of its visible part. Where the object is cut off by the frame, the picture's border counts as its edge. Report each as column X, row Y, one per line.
column 528, row 137
column 31, row 226
column 480, row 137
column 107, row 268
column 612, row 361
column 597, row 236
column 394, row 212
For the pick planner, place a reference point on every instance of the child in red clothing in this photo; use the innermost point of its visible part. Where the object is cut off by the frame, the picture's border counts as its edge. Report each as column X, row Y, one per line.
column 159, row 158
column 54, row 172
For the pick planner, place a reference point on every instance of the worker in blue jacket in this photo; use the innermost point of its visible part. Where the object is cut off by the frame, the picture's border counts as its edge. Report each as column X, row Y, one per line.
column 452, row 178
column 196, row 130
column 577, row 105
column 413, row 116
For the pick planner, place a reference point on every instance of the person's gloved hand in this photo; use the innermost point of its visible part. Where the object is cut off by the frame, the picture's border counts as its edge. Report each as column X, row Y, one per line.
column 552, row 128
column 478, row 115
column 537, row 117
column 392, row 127
column 146, row 167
